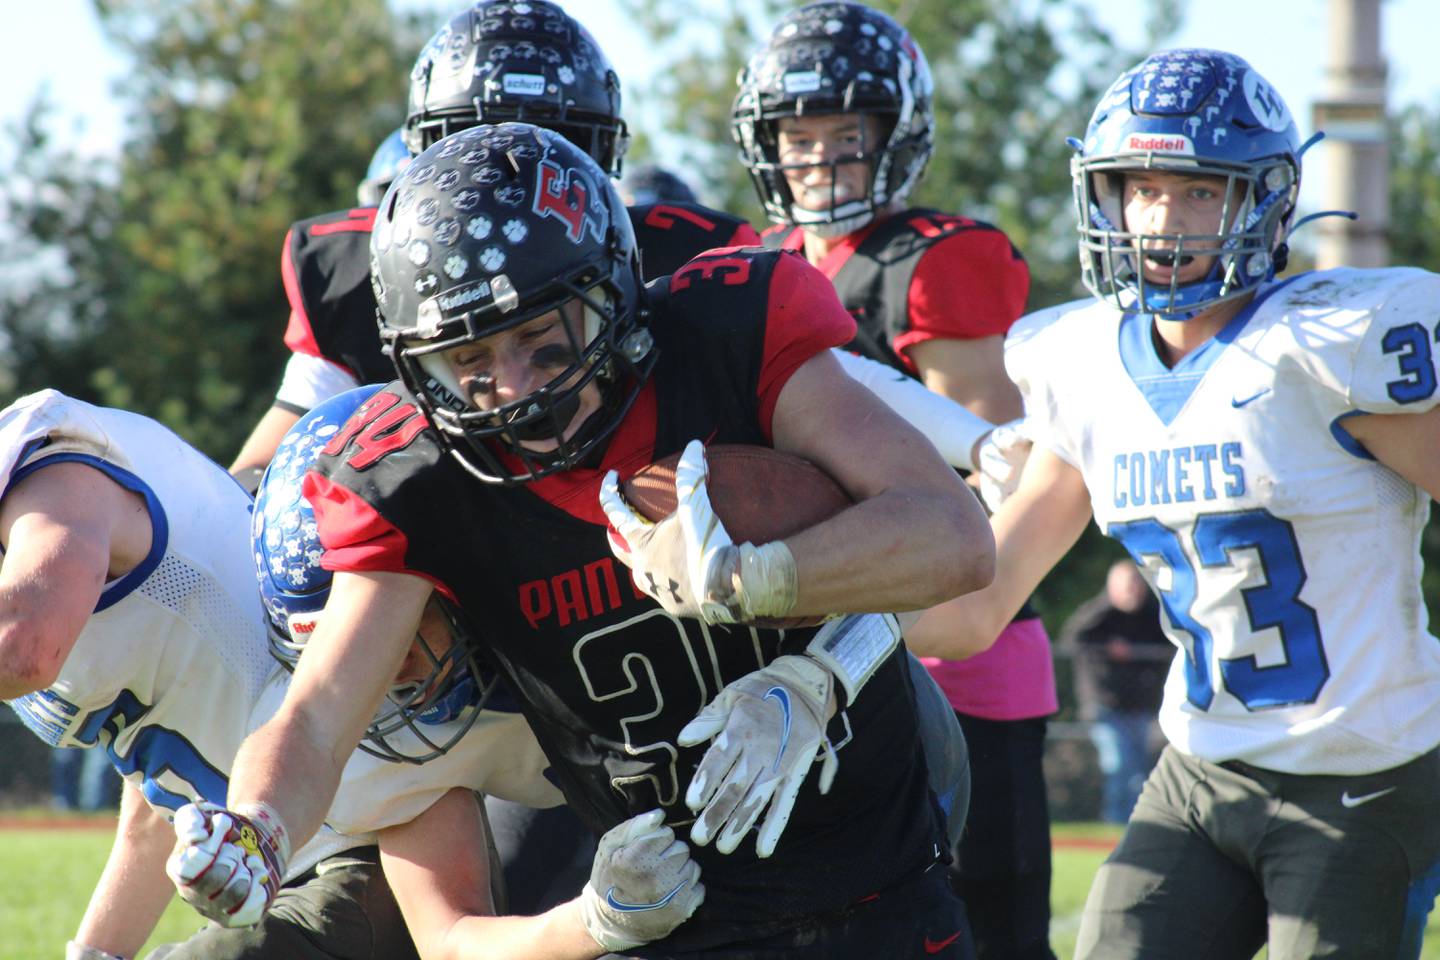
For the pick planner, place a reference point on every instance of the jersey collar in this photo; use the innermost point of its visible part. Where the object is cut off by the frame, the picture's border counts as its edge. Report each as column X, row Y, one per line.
column 1167, row 389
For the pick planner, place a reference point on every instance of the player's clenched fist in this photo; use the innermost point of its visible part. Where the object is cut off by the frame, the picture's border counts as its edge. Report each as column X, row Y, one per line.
column 228, row 864
column 687, row 561
column 642, row 886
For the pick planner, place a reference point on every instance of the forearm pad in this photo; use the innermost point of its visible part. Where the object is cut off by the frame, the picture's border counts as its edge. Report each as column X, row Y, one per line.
column 950, row 427
column 853, row 647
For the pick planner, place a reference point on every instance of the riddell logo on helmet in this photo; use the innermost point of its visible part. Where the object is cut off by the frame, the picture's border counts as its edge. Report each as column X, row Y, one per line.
column 463, row 296
column 303, row 624
column 1158, row 143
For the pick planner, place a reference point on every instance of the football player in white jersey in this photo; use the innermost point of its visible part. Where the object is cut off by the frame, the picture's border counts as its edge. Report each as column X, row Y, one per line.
column 1266, row 450
column 131, row 623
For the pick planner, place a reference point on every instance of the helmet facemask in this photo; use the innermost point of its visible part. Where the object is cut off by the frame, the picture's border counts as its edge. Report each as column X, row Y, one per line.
column 496, row 444
column 438, row 708
column 1247, row 250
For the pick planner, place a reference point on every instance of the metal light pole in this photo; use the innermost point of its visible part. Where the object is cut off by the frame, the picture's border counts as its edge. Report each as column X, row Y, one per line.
column 1352, row 114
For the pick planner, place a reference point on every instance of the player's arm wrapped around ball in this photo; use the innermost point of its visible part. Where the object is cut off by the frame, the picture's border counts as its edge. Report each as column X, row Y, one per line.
column 229, row 864
column 688, row 563
column 642, row 885
column 769, row 728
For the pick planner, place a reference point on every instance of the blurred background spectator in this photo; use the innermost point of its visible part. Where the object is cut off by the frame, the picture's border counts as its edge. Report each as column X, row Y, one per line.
column 1120, row 657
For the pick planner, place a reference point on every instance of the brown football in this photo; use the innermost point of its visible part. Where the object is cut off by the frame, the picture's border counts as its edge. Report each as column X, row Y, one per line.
column 759, row 494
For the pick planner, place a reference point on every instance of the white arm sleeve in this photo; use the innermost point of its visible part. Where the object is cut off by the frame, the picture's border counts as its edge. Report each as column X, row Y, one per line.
column 950, row 427
column 310, row 381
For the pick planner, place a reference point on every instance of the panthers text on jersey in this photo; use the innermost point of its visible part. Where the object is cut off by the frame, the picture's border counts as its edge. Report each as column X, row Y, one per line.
column 1285, row 557
column 605, row 675
column 332, row 332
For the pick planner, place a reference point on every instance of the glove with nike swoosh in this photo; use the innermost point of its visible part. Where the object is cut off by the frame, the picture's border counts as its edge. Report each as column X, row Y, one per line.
column 642, row 886
column 769, row 728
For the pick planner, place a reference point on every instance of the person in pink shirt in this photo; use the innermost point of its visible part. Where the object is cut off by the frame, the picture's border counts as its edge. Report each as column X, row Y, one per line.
column 834, row 122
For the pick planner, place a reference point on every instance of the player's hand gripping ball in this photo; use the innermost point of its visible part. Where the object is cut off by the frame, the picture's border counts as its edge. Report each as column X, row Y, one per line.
column 228, row 864
column 702, row 531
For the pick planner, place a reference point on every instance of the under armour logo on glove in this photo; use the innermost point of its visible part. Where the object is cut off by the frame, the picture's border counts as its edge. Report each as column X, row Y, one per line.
column 706, row 574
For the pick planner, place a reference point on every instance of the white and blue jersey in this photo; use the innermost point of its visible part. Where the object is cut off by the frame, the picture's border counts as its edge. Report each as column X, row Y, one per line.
column 1286, row 558
column 173, row 669
column 164, row 674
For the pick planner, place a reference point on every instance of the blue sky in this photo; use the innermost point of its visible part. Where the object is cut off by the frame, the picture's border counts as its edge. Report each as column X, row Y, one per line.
column 59, row 46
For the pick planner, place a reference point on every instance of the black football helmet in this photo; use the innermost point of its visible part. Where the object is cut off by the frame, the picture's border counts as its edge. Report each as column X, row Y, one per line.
column 836, row 58
column 517, row 60
column 488, row 229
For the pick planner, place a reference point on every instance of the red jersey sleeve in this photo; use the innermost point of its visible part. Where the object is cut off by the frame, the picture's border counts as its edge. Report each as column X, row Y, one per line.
column 969, row 285
column 804, row 317
column 355, row 536
column 744, row 236
column 298, row 335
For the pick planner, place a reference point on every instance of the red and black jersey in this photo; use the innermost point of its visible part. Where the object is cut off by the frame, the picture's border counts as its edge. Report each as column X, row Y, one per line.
column 326, row 268
column 670, row 234
column 919, row 275
column 607, row 677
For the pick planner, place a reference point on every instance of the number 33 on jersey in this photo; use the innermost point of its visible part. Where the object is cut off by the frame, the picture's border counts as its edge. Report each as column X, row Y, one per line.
column 1281, row 551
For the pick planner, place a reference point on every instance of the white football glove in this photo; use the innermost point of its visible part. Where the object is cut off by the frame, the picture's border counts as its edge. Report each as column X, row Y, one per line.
column 769, row 728
column 228, row 864
column 1001, row 456
column 74, row 950
column 642, row 886
column 688, row 563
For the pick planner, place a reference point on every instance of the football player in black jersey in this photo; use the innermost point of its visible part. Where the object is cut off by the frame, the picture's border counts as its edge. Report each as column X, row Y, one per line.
column 834, row 119
column 535, row 372
column 496, row 61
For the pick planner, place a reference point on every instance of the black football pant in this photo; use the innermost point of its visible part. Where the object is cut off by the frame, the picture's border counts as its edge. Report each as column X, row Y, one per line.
column 1001, row 865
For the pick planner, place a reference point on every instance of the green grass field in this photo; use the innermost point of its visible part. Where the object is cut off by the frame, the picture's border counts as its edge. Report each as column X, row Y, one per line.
column 49, row 875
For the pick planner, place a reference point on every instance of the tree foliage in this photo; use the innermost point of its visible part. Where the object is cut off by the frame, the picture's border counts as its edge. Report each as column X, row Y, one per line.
column 1414, row 211
column 160, row 287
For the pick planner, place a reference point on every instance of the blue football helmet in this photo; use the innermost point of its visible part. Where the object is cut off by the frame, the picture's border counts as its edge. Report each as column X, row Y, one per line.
column 1198, row 113
column 294, row 587
column 391, row 157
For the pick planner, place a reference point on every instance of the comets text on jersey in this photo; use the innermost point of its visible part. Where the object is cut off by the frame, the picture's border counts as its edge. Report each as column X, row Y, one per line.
column 1205, row 471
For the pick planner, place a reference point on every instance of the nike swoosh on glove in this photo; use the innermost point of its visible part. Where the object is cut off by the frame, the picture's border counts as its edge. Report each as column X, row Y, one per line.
column 768, row 728
column 642, row 885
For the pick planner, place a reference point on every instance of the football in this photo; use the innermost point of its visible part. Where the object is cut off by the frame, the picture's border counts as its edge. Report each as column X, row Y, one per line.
column 759, row 494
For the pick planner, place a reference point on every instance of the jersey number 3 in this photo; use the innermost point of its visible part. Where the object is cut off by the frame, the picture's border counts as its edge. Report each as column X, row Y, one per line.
column 1274, row 603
